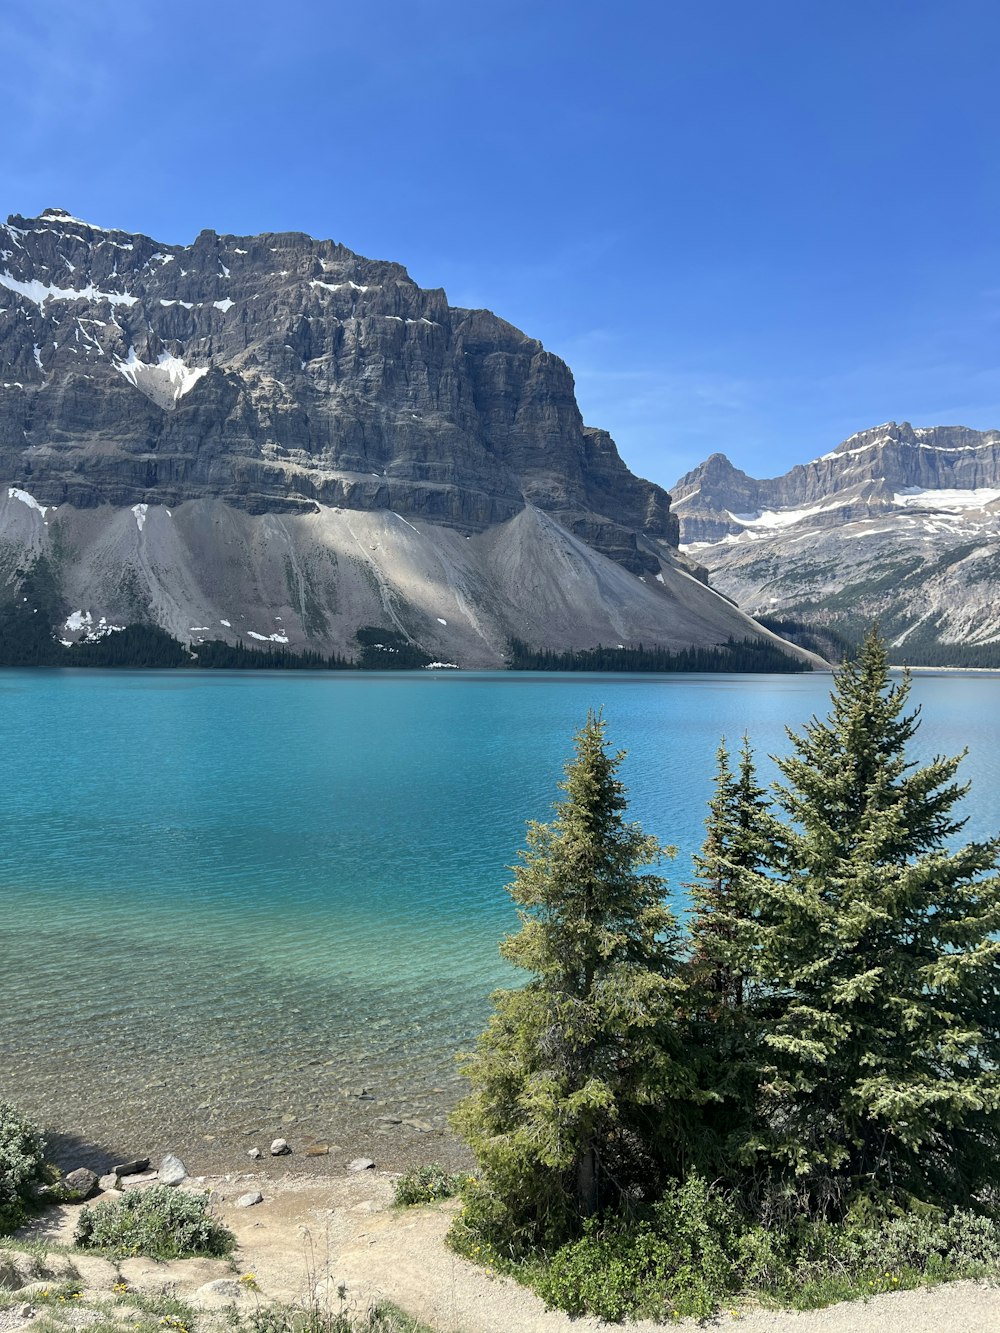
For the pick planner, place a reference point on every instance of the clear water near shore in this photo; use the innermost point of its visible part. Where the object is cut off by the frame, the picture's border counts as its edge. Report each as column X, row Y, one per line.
column 230, row 902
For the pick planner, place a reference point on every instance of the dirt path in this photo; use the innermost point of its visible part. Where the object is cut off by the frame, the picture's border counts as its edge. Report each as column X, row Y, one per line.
column 310, row 1237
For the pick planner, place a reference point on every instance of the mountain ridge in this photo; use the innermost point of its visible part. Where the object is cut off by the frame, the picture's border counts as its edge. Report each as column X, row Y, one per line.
column 278, row 430
column 897, row 523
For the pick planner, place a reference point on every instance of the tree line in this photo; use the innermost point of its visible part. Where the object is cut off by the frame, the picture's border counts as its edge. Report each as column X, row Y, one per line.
column 733, row 655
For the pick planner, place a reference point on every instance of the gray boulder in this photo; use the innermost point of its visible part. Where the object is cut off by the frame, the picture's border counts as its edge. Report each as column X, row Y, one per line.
column 172, row 1170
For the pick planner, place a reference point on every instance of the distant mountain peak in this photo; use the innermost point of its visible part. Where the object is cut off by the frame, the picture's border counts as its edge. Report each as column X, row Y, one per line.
column 896, row 522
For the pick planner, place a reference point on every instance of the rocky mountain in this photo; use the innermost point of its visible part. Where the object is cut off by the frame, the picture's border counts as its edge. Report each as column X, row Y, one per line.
column 274, row 437
column 897, row 523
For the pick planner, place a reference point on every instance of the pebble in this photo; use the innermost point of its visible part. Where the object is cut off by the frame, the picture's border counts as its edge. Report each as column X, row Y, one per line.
column 361, row 1164
column 250, row 1199
column 279, row 1147
column 318, row 1150
column 254, row 1153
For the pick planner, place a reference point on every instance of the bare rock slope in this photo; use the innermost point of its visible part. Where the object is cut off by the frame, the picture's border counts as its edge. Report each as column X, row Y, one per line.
column 272, row 438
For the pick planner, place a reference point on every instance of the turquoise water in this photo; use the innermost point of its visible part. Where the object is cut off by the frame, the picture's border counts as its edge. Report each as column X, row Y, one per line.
column 230, row 901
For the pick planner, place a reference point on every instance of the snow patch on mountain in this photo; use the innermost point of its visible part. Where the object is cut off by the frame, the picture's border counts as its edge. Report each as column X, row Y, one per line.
column 39, row 292
column 166, row 381
column 948, row 499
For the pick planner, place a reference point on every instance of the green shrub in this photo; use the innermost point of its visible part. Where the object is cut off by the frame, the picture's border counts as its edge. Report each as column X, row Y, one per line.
column 22, row 1151
column 697, row 1250
column 679, row 1261
column 426, row 1184
column 160, row 1222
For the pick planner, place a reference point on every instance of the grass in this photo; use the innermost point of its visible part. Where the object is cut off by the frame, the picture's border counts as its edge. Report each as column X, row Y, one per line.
column 382, row 1318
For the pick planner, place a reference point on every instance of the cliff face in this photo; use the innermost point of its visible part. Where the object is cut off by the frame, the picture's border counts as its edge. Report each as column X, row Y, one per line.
column 896, row 523
column 265, row 395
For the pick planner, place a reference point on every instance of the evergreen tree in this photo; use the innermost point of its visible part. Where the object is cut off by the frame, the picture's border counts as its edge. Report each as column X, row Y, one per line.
column 572, row 1063
column 725, row 893
column 722, row 972
column 879, row 948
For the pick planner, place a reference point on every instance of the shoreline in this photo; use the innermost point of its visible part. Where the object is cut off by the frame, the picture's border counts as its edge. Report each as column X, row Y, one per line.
column 309, row 1239
column 393, row 1144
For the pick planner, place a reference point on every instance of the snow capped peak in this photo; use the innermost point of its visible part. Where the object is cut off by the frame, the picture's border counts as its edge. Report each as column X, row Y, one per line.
column 61, row 215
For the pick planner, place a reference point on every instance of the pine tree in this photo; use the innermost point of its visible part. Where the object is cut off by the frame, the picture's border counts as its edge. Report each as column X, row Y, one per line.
column 571, row 1063
column 882, row 965
column 722, row 976
column 725, row 893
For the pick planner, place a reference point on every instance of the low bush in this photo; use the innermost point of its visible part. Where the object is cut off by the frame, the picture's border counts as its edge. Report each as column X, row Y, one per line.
column 695, row 1251
column 22, row 1151
column 426, row 1184
column 160, row 1222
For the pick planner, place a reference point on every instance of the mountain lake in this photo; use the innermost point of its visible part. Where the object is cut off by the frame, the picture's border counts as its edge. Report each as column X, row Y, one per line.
column 237, row 906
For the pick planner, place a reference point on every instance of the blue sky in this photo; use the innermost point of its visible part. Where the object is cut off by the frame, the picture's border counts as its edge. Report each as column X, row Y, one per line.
column 748, row 225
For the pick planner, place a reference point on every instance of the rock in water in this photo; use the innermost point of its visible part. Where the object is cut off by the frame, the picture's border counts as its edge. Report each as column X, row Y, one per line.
column 361, row 1164
column 172, row 1170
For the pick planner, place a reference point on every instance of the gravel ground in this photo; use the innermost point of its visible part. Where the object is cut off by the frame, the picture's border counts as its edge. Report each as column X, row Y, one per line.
column 310, row 1236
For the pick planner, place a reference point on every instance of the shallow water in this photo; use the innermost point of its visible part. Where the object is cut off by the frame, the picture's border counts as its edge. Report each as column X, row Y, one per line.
column 231, row 901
